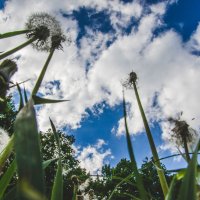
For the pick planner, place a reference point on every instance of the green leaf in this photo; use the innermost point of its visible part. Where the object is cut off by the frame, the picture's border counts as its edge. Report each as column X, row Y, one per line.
column 55, row 134
column 127, row 181
column 25, row 96
column 29, row 192
column 172, row 189
column 188, row 188
column 14, row 33
column 27, row 148
column 57, row 191
column 11, row 194
column 46, row 163
column 39, row 100
column 5, row 180
column 120, row 183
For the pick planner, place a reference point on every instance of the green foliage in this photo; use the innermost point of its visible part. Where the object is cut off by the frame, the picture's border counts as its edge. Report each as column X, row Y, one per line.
column 112, row 176
column 7, row 114
column 69, row 164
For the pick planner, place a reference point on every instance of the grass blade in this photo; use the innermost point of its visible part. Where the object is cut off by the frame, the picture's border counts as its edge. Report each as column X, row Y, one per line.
column 57, row 191
column 39, row 100
column 27, row 148
column 46, row 163
column 5, row 180
column 188, row 188
column 120, row 183
column 172, row 189
column 25, row 96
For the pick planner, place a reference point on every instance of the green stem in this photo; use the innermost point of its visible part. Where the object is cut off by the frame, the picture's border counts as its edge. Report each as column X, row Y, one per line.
column 6, row 152
column 139, row 181
column 3, row 55
column 75, row 192
column 12, row 34
column 160, row 172
column 186, row 150
column 40, row 78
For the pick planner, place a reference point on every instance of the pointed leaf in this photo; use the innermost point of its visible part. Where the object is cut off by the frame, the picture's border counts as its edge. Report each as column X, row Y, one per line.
column 46, row 163
column 25, row 96
column 57, row 191
column 27, row 148
column 5, row 180
column 55, row 134
column 40, row 100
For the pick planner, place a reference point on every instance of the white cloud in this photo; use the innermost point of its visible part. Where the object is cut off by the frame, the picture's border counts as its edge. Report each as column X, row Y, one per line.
column 4, row 139
column 163, row 63
column 93, row 157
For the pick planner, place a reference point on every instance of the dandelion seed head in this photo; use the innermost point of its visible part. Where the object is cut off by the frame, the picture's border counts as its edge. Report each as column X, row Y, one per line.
column 131, row 79
column 182, row 131
column 45, row 27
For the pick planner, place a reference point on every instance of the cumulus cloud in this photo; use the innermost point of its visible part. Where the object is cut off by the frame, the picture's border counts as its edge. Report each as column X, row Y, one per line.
column 166, row 67
column 93, row 157
column 4, row 139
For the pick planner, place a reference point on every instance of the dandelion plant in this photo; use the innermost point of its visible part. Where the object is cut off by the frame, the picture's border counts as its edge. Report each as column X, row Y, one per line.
column 183, row 135
column 139, row 181
column 41, row 28
column 131, row 83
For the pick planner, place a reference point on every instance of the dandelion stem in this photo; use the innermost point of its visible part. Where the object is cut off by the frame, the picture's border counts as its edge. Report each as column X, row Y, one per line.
column 161, row 175
column 12, row 34
column 3, row 55
column 139, row 181
column 40, row 78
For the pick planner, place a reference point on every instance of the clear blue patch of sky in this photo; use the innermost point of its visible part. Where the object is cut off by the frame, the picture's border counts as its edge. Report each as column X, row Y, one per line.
column 183, row 17
column 99, row 127
column 2, row 2
column 90, row 18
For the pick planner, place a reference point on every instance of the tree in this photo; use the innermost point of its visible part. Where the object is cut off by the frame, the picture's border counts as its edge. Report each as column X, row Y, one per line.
column 69, row 163
column 151, row 179
column 114, row 175
column 7, row 114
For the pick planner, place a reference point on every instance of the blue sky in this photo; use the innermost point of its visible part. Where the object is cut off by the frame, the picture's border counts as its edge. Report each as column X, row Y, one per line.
column 159, row 33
